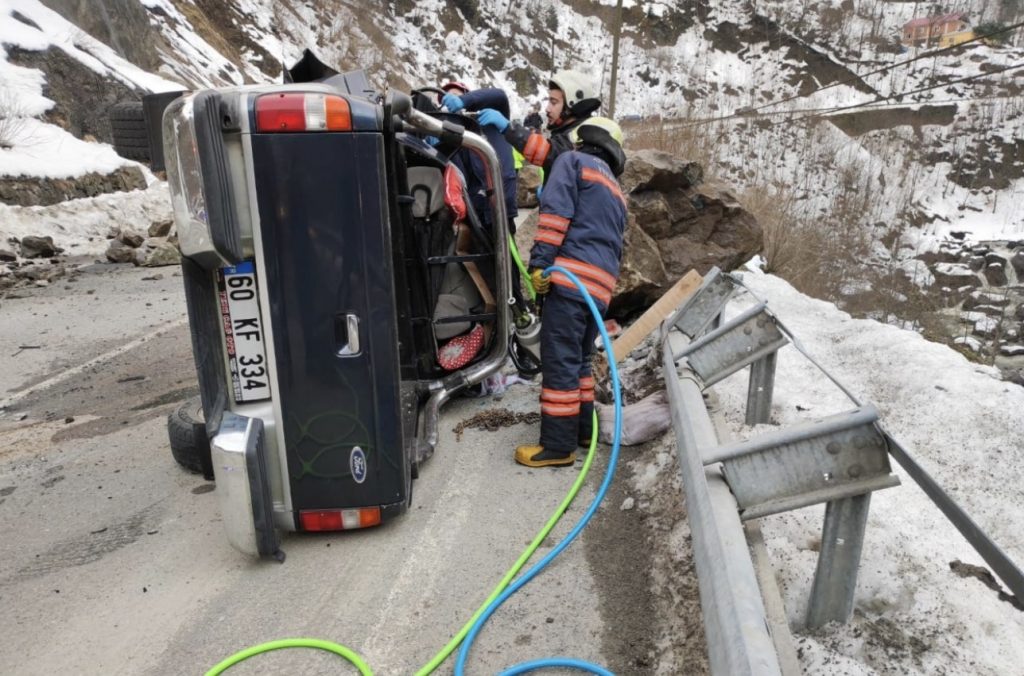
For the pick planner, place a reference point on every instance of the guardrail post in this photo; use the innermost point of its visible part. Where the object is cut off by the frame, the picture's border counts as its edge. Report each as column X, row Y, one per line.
column 835, row 579
column 759, row 392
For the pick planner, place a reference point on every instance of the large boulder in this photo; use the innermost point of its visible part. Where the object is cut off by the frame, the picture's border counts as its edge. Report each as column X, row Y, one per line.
column 659, row 171
column 677, row 223
column 38, row 247
column 995, row 274
column 161, row 228
column 157, row 252
column 119, row 252
column 975, row 263
column 651, row 209
column 130, row 238
column 642, row 276
column 980, row 298
column 955, row 275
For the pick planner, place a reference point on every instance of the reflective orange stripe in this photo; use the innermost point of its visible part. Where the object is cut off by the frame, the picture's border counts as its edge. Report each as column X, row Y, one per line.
column 555, row 238
column 536, row 149
column 554, row 222
column 595, row 289
column 531, row 146
column 560, row 410
column 595, row 176
column 587, row 388
column 542, row 155
column 559, row 396
column 587, row 270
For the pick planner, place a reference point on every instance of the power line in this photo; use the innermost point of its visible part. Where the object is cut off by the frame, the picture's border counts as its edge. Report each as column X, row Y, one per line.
column 856, row 78
column 820, row 112
column 868, row 104
column 883, row 69
column 900, row 95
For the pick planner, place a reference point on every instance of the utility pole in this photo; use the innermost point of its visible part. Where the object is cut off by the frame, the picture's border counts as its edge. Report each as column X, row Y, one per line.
column 616, row 33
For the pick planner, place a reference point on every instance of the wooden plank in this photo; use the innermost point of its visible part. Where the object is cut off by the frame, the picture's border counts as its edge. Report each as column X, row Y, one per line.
column 656, row 314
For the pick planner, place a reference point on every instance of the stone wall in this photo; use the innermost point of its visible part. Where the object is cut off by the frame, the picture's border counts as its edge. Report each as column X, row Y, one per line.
column 24, row 191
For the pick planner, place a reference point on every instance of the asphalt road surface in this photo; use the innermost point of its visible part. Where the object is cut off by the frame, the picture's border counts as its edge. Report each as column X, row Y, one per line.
column 114, row 559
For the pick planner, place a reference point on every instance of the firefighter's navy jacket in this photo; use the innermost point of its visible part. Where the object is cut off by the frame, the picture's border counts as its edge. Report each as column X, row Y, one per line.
column 581, row 226
column 498, row 100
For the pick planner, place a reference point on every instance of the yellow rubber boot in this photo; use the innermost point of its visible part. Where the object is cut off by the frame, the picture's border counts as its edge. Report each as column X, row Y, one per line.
column 537, row 456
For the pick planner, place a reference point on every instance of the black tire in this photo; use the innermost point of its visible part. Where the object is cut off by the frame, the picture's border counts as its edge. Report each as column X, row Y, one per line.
column 128, row 127
column 186, row 429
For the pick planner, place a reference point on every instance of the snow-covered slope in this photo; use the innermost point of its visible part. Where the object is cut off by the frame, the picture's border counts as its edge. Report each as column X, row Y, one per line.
column 914, row 613
column 35, row 147
column 696, row 62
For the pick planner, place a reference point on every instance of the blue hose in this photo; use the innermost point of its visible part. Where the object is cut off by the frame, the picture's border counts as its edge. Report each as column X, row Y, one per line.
column 550, row 662
column 613, row 460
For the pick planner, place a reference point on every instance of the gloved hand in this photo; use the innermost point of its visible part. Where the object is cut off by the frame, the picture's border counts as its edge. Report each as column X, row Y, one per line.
column 491, row 117
column 453, row 103
column 431, row 140
column 541, row 282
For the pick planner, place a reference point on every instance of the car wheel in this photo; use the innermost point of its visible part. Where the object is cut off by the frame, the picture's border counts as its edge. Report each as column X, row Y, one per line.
column 186, row 429
column 128, row 127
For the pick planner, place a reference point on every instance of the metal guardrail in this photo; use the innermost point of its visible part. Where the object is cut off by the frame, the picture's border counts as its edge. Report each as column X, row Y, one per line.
column 734, row 616
column 839, row 460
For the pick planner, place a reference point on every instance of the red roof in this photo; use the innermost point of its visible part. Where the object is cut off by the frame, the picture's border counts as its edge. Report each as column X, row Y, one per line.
column 931, row 20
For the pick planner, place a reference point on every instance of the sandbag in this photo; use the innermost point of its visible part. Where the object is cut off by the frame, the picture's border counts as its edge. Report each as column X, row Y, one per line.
column 641, row 422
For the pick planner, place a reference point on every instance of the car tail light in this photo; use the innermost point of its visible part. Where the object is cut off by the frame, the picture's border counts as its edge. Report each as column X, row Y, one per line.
column 339, row 519
column 302, row 112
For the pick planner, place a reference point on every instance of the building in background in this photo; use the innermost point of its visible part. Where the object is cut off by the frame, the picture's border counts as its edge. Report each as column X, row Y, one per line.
column 946, row 30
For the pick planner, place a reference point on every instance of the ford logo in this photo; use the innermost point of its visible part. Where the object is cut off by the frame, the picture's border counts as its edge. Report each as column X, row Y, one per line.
column 357, row 463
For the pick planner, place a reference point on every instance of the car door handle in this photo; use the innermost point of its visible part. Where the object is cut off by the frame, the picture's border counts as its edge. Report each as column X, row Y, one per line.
column 346, row 334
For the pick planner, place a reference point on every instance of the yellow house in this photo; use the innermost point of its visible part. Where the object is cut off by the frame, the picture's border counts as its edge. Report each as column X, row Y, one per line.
column 952, row 39
column 941, row 29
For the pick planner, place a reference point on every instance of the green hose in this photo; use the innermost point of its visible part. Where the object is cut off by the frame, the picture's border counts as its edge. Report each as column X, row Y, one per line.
column 440, row 657
column 523, row 558
column 522, row 268
column 355, row 659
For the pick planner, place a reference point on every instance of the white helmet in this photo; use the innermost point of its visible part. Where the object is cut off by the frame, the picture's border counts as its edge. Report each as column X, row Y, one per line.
column 605, row 134
column 581, row 96
column 580, row 133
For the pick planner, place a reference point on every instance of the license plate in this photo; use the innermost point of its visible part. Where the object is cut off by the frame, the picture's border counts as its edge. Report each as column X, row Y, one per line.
column 243, row 332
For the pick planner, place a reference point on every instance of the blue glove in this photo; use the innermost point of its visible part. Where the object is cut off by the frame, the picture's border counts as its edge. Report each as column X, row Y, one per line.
column 431, row 140
column 453, row 103
column 491, row 117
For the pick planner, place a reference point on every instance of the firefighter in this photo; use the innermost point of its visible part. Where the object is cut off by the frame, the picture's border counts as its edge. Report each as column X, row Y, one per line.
column 580, row 228
column 572, row 99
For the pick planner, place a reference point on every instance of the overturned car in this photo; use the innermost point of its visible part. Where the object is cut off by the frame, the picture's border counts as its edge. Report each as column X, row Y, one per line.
column 340, row 288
